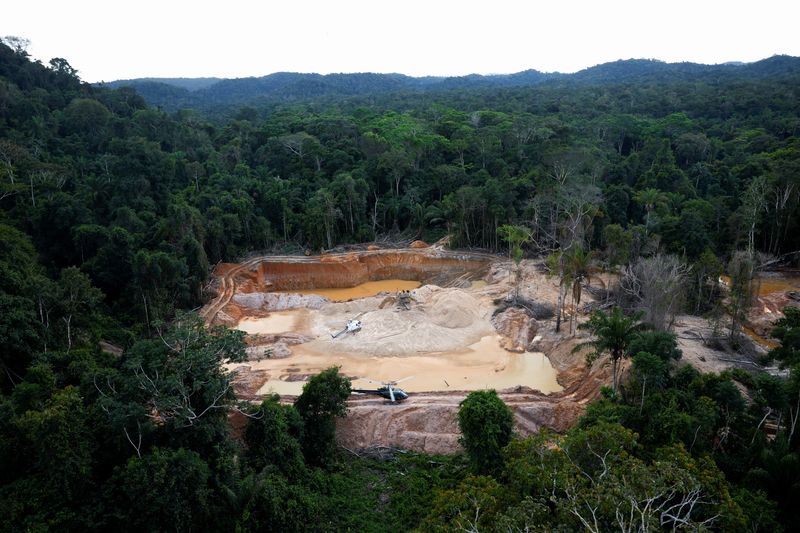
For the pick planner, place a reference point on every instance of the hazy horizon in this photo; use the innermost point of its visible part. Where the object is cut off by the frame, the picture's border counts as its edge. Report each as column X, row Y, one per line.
column 436, row 75
column 200, row 40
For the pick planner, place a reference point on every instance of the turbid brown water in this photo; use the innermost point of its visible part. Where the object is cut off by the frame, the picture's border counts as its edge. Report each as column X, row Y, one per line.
column 482, row 365
column 370, row 288
column 773, row 284
column 276, row 322
column 767, row 284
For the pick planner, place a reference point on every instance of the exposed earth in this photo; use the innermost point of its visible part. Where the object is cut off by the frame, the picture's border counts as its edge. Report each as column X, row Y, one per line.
column 448, row 336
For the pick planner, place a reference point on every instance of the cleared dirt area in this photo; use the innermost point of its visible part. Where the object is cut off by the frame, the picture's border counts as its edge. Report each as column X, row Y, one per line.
column 448, row 335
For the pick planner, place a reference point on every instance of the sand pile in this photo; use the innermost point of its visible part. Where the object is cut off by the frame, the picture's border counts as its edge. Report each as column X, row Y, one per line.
column 453, row 309
column 438, row 320
column 275, row 301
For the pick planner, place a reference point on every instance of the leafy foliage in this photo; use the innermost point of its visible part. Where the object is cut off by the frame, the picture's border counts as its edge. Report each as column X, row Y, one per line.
column 614, row 334
column 486, row 423
column 273, row 437
column 112, row 213
column 322, row 400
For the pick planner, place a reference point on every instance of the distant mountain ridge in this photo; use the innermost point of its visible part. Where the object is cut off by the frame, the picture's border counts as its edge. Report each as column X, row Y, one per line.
column 190, row 84
column 174, row 93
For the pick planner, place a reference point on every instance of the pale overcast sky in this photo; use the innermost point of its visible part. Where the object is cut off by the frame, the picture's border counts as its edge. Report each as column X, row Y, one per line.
column 108, row 40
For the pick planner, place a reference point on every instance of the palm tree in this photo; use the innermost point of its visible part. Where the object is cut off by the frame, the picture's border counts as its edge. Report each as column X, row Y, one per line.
column 650, row 199
column 515, row 236
column 573, row 267
column 613, row 334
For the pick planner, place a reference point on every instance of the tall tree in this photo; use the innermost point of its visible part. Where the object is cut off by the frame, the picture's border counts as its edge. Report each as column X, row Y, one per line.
column 754, row 204
column 741, row 269
column 77, row 298
column 486, row 423
column 650, row 199
column 322, row 400
column 273, row 437
column 613, row 334
column 515, row 237
column 578, row 263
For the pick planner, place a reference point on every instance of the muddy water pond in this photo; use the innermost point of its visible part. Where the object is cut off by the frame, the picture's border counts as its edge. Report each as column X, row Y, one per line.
column 276, row 322
column 481, row 365
column 477, row 363
column 771, row 282
column 370, row 288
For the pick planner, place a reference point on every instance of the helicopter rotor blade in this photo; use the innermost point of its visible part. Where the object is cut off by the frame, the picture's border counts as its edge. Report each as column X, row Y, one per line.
column 391, row 393
column 402, row 380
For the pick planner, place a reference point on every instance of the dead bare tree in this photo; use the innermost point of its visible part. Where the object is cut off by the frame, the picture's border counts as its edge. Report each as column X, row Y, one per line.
column 754, row 204
column 643, row 498
column 10, row 156
column 783, row 199
column 656, row 287
column 563, row 215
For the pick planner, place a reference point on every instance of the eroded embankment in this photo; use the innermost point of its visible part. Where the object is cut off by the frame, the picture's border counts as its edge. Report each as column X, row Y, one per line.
column 267, row 274
column 351, row 269
column 428, row 422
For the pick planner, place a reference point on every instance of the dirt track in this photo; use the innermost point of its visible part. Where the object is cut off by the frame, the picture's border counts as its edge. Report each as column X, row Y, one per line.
column 226, row 279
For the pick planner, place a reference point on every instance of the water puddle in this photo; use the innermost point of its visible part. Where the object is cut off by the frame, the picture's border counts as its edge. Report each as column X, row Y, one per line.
column 370, row 288
column 766, row 343
column 276, row 322
column 770, row 283
column 480, row 366
column 282, row 388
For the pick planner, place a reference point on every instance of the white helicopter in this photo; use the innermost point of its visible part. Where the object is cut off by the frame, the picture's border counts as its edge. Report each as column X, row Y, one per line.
column 351, row 327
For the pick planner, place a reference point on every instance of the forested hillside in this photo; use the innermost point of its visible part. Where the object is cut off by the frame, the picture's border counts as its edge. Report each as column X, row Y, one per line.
column 215, row 96
column 112, row 214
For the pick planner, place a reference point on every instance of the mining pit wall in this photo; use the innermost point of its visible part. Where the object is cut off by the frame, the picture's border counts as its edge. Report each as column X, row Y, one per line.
column 427, row 421
column 351, row 269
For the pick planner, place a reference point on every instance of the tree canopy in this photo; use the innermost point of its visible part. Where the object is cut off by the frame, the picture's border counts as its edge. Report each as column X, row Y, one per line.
column 485, row 422
column 117, row 411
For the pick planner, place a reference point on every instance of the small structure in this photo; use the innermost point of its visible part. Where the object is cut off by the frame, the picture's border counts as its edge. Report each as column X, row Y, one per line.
column 404, row 299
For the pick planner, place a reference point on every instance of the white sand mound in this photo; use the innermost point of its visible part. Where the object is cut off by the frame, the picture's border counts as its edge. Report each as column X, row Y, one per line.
column 439, row 320
column 453, row 309
column 277, row 301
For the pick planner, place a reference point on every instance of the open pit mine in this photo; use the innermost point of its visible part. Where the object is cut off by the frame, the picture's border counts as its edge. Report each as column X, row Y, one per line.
column 422, row 312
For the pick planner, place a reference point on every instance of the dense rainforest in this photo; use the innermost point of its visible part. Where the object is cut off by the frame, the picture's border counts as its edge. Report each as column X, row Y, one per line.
column 114, row 404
